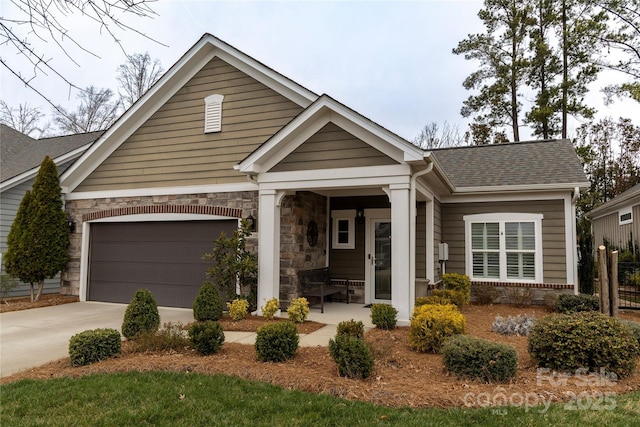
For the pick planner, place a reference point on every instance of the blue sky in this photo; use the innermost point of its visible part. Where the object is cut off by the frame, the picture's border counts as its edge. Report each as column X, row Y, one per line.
column 390, row 61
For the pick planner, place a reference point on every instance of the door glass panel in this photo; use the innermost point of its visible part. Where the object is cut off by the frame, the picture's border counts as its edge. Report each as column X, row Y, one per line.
column 382, row 259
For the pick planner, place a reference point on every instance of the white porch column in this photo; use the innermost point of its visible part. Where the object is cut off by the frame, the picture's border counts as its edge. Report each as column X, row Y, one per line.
column 400, row 253
column 268, row 246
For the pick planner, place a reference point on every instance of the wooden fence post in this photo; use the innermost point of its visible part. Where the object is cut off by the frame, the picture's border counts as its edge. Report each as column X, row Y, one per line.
column 613, row 283
column 604, row 281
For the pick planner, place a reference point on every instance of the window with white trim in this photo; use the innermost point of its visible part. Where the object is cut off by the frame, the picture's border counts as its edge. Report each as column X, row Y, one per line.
column 504, row 247
column 625, row 216
column 343, row 233
column 213, row 113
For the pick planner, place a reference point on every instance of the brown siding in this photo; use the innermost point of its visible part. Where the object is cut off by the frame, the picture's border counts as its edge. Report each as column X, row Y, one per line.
column 332, row 147
column 421, row 241
column 437, row 238
column 609, row 228
column 171, row 148
column 553, row 237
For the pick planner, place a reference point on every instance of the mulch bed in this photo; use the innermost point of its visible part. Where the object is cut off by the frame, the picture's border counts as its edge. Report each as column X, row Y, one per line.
column 24, row 303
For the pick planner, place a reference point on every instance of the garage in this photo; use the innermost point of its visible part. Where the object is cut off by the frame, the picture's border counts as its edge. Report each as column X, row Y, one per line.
column 164, row 257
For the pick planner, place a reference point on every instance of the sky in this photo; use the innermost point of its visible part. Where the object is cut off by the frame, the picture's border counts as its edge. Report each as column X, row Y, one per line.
column 391, row 61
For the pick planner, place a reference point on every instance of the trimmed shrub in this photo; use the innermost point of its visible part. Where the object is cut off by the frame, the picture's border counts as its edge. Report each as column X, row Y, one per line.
column 270, row 308
column 513, row 325
column 141, row 315
column 169, row 337
column 634, row 327
column 208, row 303
column 206, row 337
column 480, row 359
column 432, row 299
column 351, row 328
column 519, row 297
column 298, row 310
column 486, row 294
column 431, row 325
column 457, row 298
column 458, row 282
column 352, row 355
column 589, row 340
column 238, row 309
column 576, row 303
column 277, row 342
column 94, row 345
column 384, row 316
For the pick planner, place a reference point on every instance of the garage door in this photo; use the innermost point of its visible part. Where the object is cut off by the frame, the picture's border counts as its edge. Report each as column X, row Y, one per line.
column 164, row 257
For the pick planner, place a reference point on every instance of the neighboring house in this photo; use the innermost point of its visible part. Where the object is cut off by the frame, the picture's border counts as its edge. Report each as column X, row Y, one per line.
column 221, row 137
column 618, row 220
column 19, row 163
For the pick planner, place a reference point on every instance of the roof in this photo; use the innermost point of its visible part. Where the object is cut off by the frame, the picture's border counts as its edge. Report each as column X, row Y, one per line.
column 21, row 153
column 629, row 197
column 544, row 164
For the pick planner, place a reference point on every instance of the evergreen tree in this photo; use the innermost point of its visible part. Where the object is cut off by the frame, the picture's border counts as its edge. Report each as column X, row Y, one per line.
column 16, row 259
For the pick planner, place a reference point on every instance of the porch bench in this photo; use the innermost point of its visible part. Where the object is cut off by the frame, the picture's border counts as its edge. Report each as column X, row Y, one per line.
column 317, row 283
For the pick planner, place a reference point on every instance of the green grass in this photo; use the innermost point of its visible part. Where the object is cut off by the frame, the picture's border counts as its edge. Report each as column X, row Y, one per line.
column 180, row 399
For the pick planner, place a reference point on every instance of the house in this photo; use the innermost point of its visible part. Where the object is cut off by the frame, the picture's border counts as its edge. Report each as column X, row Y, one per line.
column 222, row 136
column 20, row 160
column 617, row 221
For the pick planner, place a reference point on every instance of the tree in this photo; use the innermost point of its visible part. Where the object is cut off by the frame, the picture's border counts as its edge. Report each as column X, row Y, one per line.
column 25, row 119
column 136, row 76
column 39, row 244
column 96, row 111
column 483, row 134
column 431, row 136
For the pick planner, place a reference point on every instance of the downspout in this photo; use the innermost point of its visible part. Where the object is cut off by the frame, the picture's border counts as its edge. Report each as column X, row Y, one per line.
column 412, row 234
column 576, row 194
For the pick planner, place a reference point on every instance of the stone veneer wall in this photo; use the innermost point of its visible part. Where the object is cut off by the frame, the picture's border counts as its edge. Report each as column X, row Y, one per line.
column 295, row 252
column 246, row 201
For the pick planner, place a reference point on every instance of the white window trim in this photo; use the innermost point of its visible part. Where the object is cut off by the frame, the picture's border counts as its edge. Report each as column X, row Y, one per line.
column 625, row 211
column 503, row 218
column 213, row 113
column 342, row 215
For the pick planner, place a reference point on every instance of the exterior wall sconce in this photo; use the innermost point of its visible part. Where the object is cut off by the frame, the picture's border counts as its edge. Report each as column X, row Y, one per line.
column 252, row 222
column 360, row 215
column 71, row 225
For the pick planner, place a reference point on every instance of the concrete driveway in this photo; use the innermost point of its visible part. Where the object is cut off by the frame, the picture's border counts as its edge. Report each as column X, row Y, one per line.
column 34, row 337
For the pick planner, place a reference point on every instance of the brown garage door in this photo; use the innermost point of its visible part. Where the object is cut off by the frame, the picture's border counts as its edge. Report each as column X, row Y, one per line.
column 164, row 257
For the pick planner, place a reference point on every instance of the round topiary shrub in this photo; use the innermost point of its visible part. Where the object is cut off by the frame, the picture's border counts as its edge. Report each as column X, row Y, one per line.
column 576, row 303
column 431, row 325
column 589, row 340
column 351, row 328
column 141, row 315
column 208, row 303
column 384, row 316
column 276, row 342
column 94, row 345
column 352, row 355
column 206, row 337
column 298, row 310
column 481, row 359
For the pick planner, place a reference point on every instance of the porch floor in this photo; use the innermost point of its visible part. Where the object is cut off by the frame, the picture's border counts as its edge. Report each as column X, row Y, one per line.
column 336, row 312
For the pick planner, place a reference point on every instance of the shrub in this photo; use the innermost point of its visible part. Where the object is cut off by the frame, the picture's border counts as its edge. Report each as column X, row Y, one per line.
column 457, row 298
column 634, row 327
column 486, row 294
column 141, row 315
column 513, row 325
column 458, row 282
column 384, row 316
column 270, row 309
column 94, row 345
column 169, row 337
column 519, row 297
column 206, row 337
column 298, row 310
column 480, row 359
column 352, row 355
column 238, row 309
column 208, row 303
column 590, row 340
column 351, row 328
column 576, row 303
column 432, row 299
column 277, row 342
column 431, row 325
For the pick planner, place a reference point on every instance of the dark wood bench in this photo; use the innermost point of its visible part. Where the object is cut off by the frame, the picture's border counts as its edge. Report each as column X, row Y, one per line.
column 317, row 283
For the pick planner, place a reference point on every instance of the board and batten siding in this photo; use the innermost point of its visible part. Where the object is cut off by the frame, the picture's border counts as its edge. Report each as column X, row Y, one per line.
column 171, row 148
column 608, row 227
column 553, row 232
column 332, row 147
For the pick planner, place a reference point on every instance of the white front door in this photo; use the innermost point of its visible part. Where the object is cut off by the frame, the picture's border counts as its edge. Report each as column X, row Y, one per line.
column 378, row 257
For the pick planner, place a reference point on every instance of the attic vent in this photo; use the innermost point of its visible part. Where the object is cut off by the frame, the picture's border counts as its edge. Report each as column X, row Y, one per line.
column 213, row 113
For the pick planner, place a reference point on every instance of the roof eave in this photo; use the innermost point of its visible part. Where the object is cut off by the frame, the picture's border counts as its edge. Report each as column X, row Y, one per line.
column 521, row 188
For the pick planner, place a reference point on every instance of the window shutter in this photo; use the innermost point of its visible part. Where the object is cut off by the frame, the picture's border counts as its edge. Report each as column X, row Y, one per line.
column 213, row 113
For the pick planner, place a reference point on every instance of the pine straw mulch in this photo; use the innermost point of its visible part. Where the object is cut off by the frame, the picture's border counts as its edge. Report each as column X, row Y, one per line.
column 401, row 378
column 24, row 303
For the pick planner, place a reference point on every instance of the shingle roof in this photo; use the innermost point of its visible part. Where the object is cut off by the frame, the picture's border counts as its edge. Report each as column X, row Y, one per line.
column 631, row 196
column 519, row 163
column 20, row 153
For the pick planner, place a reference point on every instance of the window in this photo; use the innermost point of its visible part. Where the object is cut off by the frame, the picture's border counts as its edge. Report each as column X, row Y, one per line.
column 213, row 113
column 343, row 236
column 626, row 216
column 504, row 247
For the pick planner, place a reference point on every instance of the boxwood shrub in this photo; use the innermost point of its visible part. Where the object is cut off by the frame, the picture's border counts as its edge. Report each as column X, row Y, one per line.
column 634, row 327
column 458, row 282
column 276, row 342
column 352, row 355
column 384, row 316
column 208, row 303
column 94, row 345
column 141, row 315
column 431, row 325
column 590, row 340
column 206, row 337
column 351, row 327
column 576, row 303
column 480, row 359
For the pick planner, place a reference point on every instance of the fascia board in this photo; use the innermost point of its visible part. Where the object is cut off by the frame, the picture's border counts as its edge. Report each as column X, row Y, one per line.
column 361, row 172
column 616, row 204
column 520, row 188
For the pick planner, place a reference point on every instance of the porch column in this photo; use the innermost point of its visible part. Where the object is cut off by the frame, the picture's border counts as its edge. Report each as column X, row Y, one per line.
column 268, row 247
column 400, row 254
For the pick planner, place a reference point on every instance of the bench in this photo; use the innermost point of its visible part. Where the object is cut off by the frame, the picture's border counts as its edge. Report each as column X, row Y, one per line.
column 317, row 283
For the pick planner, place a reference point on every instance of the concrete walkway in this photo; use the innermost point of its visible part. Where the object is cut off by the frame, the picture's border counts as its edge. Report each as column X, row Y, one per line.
column 34, row 337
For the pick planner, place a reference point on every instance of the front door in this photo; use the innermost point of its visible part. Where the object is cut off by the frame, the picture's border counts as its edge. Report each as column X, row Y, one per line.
column 379, row 257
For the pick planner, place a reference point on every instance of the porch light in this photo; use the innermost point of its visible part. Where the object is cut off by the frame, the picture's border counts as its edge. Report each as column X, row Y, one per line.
column 71, row 225
column 360, row 215
column 252, row 222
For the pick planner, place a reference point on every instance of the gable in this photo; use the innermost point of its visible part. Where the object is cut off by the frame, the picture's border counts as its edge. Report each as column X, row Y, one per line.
column 332, row 147
column 171, row 147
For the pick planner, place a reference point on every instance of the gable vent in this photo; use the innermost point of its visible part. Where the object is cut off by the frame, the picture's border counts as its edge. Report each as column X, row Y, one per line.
column 213, row 113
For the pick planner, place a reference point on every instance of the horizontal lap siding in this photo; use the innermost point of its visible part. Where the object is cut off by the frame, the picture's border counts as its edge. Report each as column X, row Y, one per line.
column 171, row 148
column 421, row 241
column 437, row 238
column 553, row 232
